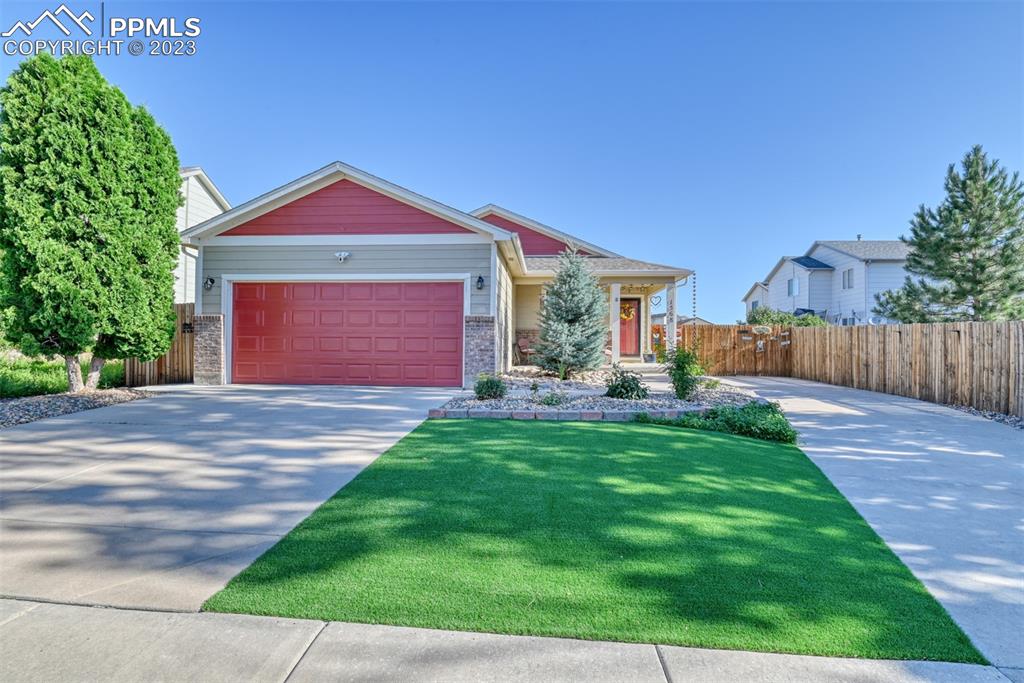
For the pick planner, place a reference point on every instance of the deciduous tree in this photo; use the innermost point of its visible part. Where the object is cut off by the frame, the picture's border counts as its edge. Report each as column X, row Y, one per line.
column 87, row 218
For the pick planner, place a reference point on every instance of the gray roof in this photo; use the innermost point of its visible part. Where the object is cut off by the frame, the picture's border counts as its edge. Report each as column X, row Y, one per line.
column 811, row 263
column 604, row 265
column 868, row 250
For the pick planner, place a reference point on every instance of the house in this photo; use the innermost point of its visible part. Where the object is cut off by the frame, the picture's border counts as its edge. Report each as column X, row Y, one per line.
column 202, row 201
column 756, row 296
column 835, row 279
column 341, row 277
column 659, row 319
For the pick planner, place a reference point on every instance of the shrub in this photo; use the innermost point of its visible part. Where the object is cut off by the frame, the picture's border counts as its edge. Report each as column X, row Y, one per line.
column 769, row 316
column 34, row 376
column 552, row 398
column 711, row 383
column 489, row 386
column 625, row 384
column 684, row 369
column 763, row 421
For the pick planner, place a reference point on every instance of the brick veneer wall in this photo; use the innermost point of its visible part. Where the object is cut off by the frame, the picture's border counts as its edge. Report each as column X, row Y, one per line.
column 479, row 347
column 208, row 352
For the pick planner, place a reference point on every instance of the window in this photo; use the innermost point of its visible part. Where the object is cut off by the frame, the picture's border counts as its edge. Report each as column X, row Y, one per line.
column 792, row 286
column 754, row 305
column 848, row 278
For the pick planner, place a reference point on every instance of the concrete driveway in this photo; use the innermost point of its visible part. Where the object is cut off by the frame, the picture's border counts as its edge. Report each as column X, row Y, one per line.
column 943, row 488
column 158, row 502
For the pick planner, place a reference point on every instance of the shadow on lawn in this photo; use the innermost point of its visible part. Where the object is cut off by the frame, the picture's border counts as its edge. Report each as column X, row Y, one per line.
column 621, row 532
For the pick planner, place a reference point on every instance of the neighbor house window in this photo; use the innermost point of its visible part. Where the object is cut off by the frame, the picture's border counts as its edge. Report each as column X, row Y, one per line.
column 792, row 286
column 848, row 278
column 754, row 305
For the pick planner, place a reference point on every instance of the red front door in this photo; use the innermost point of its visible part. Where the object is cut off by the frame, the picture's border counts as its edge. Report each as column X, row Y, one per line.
column 629, row 327
column 363, row 333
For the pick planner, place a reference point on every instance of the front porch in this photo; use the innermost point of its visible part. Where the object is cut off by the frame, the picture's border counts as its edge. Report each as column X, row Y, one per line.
column 630, row 306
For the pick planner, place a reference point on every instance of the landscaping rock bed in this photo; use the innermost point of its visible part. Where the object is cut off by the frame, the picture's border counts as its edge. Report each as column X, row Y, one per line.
column 15, row 411
column 1009, row 420
column 589, row 404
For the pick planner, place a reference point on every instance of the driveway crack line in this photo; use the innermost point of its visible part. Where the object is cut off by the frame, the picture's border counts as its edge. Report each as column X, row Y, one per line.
column 304, row 651
column 664, row 664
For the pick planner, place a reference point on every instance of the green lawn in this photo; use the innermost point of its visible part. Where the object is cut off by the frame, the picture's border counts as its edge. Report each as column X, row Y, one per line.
column 32, row 376
column 622, row 532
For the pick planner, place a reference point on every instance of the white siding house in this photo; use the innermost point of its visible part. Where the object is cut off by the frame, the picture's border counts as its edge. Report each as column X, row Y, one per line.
column 837, row 279
column 202, row 201
column 756, row 296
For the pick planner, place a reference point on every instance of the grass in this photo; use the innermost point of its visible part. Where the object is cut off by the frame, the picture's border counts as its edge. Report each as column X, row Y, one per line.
column 32, row 376
column 624, row 532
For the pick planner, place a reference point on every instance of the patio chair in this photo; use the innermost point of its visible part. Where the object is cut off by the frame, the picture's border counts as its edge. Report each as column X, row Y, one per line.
column 525, row 351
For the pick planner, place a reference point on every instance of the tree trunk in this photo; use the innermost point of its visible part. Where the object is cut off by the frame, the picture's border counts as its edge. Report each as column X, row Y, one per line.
column 95, row 368
column 74, row 372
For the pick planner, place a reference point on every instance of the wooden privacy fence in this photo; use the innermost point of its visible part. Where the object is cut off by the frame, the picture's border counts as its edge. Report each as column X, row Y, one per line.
column 174, row 366
column 970, row 364
column 739, row 349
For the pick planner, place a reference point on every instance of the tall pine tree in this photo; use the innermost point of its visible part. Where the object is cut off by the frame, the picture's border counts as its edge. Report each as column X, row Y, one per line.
column 573, row 319
column 968, row 253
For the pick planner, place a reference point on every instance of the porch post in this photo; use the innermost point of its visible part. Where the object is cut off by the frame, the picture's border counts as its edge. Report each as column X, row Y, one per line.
column 670, row 316
column 613, row 318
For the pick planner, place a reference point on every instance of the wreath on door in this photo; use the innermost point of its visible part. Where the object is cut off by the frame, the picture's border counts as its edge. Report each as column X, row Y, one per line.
column 627, row 312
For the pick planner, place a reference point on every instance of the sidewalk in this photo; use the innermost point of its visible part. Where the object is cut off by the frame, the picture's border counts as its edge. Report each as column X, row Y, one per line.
column 53, row 642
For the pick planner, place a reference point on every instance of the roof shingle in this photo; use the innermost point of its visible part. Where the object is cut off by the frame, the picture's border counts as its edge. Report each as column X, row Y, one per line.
column 868, row 250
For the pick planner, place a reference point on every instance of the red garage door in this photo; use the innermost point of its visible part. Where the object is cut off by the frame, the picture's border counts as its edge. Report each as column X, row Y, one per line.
column 383, row 333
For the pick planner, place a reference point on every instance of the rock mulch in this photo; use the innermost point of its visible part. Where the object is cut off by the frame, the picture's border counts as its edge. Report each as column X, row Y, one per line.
column 16, row 411
column 579, row 405
column 1009, row 420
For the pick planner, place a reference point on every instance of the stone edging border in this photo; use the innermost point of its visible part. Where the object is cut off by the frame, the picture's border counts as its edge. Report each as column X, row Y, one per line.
column 566, row 415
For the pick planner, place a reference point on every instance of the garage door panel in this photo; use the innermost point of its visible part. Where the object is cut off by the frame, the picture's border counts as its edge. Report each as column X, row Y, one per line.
column 388, row 291
column 348, row 333
column 276, row 291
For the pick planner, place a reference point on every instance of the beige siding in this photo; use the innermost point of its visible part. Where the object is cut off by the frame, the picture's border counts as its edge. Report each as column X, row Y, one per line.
column 505, row 332
column 527, row 307
column 185, row 276
column 398, row 259
column 199, row 206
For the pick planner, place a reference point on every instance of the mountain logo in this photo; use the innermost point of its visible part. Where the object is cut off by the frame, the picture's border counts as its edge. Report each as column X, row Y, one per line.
column 77, row 20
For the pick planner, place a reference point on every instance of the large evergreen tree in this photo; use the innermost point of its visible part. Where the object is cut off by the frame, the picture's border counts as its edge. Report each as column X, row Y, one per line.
column 968, row 253
column 88, row 193
column 573, row 319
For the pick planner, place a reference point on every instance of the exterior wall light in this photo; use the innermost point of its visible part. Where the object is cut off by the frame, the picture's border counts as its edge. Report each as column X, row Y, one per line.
column 208, row 282
column 479, row 281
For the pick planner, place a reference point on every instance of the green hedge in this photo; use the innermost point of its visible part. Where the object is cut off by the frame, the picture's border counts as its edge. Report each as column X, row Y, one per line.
column 33, row 376
column 763, row 421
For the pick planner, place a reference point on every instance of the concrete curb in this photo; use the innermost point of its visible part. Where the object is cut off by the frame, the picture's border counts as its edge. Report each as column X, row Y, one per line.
column 560, row 415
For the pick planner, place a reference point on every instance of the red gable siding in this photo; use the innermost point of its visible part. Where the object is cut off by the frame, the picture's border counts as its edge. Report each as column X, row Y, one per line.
column 534, row 243
column 345, row 208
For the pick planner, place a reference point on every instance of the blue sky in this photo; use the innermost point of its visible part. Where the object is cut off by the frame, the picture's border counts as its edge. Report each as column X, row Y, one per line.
column 715, row 136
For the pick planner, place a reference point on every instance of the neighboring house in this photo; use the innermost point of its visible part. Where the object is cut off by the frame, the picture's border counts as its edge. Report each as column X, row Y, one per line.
column 756, row 296
column 340, row 277
column 659, row 319
column 836, row 279
column 202, row 201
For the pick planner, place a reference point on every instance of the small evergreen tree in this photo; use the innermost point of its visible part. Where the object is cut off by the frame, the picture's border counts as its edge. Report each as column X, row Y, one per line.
column 573, row 319
column 968, row 253
column 88, row 193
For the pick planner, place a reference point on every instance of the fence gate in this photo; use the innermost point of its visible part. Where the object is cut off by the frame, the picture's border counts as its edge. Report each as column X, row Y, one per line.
column 739, row 349
column 175, row 366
